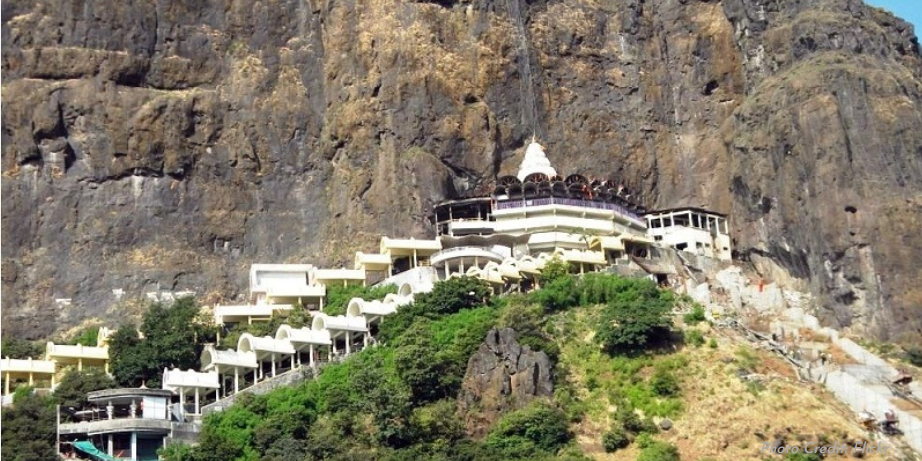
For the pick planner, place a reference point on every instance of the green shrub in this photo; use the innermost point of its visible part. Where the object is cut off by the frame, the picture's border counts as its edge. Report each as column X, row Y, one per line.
column 644, row 440
column 338, row 297
column 631, row 421
column 659, row 451
column 712, row 343
column 537, row 428
column 452, row 295
column 664, row 383
column 694, row 337
column 614, row 440
column 636, row 318
column 696, row 315
column 558, row 294
column 555, row 269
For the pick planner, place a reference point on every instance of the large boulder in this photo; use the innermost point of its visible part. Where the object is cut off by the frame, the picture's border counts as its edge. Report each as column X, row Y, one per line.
column 502, row 376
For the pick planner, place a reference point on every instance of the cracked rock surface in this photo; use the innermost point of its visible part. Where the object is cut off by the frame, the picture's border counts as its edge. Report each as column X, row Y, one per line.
column 502, row 376
column 165, row 146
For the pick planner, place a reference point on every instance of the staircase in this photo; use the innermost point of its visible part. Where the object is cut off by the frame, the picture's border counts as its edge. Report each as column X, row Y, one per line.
column 289, row 378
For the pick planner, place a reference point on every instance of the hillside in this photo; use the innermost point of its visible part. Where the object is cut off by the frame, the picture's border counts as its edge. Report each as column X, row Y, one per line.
column 165, row 146
column 589, row 367
column 572, row 378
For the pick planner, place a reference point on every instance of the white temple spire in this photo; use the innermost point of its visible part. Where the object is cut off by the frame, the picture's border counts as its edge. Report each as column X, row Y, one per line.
column 535, row 161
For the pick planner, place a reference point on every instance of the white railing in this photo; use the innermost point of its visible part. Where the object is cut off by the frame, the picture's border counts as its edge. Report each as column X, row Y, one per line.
column 480, row 251
column 513, row 204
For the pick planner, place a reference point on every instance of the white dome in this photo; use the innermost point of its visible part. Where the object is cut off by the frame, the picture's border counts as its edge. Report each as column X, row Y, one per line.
column 535, row 161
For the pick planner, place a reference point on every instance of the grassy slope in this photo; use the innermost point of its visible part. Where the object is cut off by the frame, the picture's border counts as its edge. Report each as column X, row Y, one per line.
column 717, row 416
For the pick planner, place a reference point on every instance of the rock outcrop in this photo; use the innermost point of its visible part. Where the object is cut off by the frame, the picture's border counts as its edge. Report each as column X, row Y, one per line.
column 502, row 376
column 165, row 146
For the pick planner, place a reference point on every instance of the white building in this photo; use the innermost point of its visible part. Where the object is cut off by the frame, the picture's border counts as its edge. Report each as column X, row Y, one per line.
column 535, row 213
column 694, row 230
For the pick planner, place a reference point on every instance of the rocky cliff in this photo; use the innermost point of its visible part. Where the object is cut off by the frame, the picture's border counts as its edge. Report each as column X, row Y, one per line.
column 165, row 146
column 502, row 376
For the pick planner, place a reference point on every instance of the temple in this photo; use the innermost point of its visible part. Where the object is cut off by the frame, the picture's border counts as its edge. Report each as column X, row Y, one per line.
column 504, row 235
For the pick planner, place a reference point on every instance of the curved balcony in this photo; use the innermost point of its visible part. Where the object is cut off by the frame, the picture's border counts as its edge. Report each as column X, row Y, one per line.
column 118, row 425
column 468, row 253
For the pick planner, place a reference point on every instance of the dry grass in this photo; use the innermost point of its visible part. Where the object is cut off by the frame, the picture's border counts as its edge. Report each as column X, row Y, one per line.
column 724, row 417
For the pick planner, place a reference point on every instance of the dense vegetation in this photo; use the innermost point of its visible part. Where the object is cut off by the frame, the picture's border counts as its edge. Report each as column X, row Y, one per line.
column 21, row 349
column 29, row 425
column 397, row 401
column 169, row 337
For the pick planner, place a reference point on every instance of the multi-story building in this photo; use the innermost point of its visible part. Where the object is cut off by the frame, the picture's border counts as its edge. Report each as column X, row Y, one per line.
column 695, row 230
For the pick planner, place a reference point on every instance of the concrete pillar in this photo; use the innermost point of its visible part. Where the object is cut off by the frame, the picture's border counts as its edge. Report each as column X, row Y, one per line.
column 236, row 381
column 79, row 363
column 53, row 384
column 272, row 358
column 365, row 339
column 293, row 359
column 31, row 380
column 106, row 365
column 348, row 342
column 196, row 401
column 134, row 446
column 110, row 411
column 415, row 259
column 310, row 359
column 111, row 446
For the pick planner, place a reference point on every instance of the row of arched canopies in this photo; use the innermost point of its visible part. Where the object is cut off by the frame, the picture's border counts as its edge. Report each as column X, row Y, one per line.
column 575, row 186
column 327, row 336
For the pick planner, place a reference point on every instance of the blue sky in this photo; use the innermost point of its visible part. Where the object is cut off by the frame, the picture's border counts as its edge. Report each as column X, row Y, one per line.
column 910, row 10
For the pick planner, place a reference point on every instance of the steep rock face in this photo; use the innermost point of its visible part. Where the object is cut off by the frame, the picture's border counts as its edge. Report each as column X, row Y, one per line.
column 502, row 376
column 168, row 145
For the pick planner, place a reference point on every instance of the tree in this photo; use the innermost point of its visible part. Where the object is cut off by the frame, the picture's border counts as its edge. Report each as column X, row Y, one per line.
column 75, row 385
column 452, row 295
column 29, row 429
column 558, row 294
column 130, row 358
column 630, row 323
column 554, row 269
column 21, row 349
column 173, row 338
